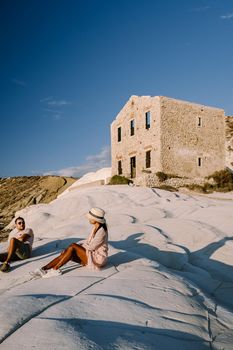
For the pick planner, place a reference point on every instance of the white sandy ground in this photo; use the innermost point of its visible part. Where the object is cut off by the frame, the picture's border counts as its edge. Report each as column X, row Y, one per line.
column 168, row 284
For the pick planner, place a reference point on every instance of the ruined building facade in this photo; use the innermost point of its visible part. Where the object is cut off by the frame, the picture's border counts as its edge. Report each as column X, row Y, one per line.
column 152, row 134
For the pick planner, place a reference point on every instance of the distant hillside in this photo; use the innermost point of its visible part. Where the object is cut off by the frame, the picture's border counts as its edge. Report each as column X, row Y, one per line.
column 19, row 192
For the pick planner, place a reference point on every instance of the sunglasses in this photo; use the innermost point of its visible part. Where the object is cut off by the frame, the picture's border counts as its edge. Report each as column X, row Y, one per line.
column 20, row 223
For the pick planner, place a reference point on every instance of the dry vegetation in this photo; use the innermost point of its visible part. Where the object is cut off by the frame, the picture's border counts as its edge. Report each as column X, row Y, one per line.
column 223, row 182
column 19, row 192
column 119, row 180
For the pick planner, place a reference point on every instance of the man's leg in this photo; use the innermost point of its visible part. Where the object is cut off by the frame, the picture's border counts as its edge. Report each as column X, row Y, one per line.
column 3, row 256
column 13, row 246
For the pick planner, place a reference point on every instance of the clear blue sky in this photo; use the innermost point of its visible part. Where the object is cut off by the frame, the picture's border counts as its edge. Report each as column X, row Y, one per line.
column 67, row 67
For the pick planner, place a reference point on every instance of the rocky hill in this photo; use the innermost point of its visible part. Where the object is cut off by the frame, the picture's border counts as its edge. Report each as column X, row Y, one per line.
column 19, row 192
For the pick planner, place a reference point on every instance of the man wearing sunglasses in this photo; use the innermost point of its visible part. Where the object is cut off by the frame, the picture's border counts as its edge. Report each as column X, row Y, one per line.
column 20, row 243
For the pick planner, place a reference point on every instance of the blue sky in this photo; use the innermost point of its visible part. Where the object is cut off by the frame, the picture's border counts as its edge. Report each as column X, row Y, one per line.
column 67, row 67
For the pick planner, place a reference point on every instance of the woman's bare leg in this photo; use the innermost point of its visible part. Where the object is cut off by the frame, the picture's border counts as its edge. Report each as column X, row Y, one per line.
column 73, row 252
column 55, row 261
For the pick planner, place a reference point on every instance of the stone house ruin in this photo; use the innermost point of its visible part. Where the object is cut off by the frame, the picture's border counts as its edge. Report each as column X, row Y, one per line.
column 152, row 134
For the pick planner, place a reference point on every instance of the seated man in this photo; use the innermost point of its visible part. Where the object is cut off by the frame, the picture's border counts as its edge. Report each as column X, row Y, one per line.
column 20, row 242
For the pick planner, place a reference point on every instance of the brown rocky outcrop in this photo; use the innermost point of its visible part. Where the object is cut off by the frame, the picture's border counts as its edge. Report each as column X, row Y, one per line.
column 19, row 192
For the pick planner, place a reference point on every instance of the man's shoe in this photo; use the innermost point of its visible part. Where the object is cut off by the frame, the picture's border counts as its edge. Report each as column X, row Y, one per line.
column 52, row 273
column 5, row 267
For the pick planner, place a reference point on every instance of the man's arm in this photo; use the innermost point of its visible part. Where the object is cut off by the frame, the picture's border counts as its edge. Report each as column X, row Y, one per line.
column 24, row 237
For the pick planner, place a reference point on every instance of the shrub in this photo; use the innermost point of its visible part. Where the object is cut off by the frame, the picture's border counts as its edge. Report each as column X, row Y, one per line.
column 226, row 188
column 161, row 176
column 173, row 176
column 195, row 187
column 223, row 180
column 222, row 177
column 223, row 183
column 168, row 188
column 119, row 180
column 208, row 188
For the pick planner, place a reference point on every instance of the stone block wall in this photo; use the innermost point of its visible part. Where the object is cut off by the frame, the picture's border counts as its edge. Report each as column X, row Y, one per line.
column 143, row 139
column 193, row 138
column 151, row 180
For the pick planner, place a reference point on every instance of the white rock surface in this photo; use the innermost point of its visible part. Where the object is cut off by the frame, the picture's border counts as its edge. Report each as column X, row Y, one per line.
column 103, row 175
column 168, row 284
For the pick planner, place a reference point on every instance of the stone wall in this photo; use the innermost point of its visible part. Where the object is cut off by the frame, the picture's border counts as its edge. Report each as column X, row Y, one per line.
column 191, row 132
column 151, row 180
column 143, row 140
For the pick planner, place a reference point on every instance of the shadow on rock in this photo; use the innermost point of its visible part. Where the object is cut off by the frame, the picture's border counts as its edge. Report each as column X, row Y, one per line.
column 212, row 276
column 110, row 335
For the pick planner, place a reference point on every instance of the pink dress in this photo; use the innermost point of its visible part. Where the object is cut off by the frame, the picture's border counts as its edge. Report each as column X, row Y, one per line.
column 96, row 246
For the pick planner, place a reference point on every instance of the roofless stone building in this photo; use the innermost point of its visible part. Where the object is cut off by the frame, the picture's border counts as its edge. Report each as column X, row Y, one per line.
column 152, row 134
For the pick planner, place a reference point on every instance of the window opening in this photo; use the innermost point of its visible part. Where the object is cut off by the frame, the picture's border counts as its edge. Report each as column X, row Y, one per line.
column 119, row 167
column 119, row 134
column 148, row 120
column 133, row 167
column 132, row 128
column 148, row 159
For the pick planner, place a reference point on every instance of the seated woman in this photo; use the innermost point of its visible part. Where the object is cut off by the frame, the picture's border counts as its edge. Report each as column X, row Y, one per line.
column 92, row 252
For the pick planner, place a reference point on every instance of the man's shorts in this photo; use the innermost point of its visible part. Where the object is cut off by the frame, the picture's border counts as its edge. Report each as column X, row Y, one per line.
column 23, row 252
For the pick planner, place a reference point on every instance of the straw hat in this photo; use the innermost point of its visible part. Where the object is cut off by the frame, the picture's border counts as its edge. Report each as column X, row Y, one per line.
column 96, row 214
